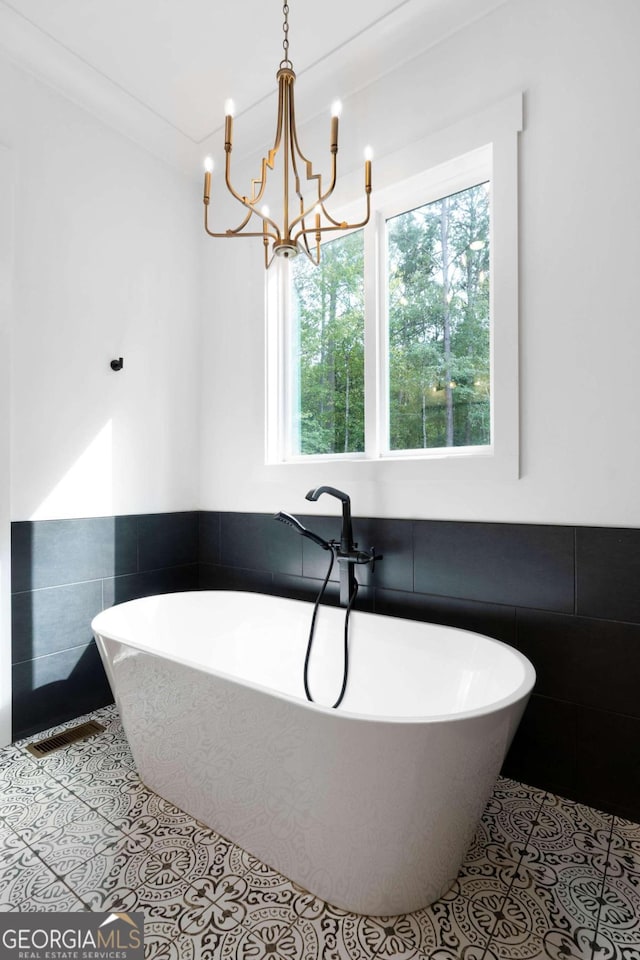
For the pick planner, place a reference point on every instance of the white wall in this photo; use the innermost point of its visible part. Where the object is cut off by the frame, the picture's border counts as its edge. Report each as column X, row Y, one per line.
column 7, row 174
column 576, row 62
column 106, row 264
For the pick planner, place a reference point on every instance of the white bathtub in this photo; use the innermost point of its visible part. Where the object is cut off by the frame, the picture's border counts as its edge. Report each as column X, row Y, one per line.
column 371, row 806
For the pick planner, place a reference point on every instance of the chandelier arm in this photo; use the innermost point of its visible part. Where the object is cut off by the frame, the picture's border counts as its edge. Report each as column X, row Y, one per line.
column 270, row 159
column 268, row 260
column 249, row 205
column 334, row 176
column 227, row 179
column 239, row 236
column 309, row 255
column 322, row 197
column 295, row 149
column 241, row 227
column 265, row 219
column 262, row 180
column 212, row 233
column 253, row 233
column 305, row 241
column 338, row 226
column 310, row 175
column 294, row 131
column 319, row 202
column 236, row 233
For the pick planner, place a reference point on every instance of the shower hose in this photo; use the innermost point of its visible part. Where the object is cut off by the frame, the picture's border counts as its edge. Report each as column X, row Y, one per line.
column 345, row 672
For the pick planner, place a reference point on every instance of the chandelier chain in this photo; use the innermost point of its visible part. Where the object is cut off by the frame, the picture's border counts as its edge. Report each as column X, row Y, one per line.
column 285, row 62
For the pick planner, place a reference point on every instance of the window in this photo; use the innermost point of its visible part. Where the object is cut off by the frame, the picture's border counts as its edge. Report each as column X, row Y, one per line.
column 326, row 350
column 402, row 344
column 438, row 323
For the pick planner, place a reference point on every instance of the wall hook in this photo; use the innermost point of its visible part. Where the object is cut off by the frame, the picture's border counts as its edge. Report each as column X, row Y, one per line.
column 117, row 364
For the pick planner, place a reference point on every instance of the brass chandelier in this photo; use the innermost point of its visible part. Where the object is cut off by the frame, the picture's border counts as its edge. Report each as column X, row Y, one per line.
column 305, row 219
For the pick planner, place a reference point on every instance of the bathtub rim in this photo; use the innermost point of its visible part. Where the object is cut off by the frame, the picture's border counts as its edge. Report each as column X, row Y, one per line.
column 521, row 692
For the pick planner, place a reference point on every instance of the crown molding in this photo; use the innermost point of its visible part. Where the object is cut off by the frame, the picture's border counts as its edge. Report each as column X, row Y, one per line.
column 408, row 31
column 39, row 55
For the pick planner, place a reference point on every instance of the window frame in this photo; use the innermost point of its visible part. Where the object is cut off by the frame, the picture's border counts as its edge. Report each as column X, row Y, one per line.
column 434, row 184
column 481, row 148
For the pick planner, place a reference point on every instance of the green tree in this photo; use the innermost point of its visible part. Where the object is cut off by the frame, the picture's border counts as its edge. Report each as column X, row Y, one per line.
column 439, row 332
column 439, row 336
column 330, row 347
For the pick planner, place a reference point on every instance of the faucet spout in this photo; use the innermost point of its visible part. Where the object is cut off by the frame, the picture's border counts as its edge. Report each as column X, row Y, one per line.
column 346, row 536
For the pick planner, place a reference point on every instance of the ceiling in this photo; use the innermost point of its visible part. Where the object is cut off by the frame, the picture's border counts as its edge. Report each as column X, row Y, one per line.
column 160, row 70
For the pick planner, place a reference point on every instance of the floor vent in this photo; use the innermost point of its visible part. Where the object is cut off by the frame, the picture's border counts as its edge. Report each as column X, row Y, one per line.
column 44, row 747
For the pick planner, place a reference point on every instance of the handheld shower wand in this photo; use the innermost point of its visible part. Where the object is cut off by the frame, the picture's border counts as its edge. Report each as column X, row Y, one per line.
column 297, row 526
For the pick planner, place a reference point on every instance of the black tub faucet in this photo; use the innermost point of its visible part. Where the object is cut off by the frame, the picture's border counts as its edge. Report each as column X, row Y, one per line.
column 346, row 550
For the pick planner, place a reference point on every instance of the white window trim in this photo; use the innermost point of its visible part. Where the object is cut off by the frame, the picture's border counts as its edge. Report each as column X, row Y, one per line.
column 434, row 184
column 436, row 159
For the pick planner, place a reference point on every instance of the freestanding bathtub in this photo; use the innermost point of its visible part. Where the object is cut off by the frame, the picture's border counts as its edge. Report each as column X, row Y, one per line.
column 371, row 806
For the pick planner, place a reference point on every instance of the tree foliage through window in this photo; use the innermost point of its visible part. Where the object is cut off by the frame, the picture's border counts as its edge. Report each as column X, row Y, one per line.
column 438, row 333
column 330, row 327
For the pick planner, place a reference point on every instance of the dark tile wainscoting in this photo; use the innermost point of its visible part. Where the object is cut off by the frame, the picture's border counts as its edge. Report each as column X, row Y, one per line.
column 63, row 573
column 567, row 597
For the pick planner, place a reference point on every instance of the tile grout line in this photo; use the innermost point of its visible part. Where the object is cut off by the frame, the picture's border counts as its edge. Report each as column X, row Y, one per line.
column 602, row 890
column 59, row 878
column 241, row 923
column 509, row 888
column 81, row 754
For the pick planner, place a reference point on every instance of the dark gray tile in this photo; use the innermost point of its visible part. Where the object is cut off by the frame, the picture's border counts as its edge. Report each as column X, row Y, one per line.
column 515, row 564
column 304, row 588
column 56, row 688
column 214, row 577
column 255, row 541
column 492, row 620
column 390, row 538
column 208, row 576
column 167, row 540
column 393, row 539
column 608, row 573
column 208, row 537
column 54, row 618
column 595, row 663
column 315, row 560
column 544, row 749
column 609, row 762
column 135, row 585
column 46, row 553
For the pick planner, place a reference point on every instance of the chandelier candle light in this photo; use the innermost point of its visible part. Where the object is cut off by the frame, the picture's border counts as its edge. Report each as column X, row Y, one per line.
column 305, row 220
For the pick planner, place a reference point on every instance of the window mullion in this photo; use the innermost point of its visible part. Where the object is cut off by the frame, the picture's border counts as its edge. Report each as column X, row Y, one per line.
column 372, row 343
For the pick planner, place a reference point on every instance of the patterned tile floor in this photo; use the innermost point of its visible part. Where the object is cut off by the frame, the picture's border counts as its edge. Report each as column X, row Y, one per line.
column 544, row 877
